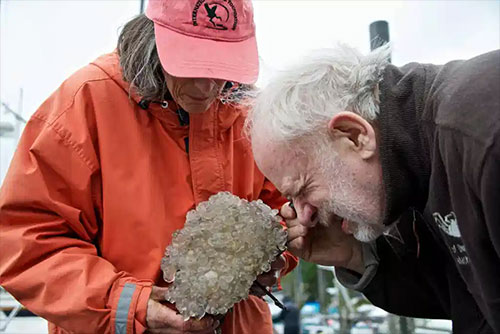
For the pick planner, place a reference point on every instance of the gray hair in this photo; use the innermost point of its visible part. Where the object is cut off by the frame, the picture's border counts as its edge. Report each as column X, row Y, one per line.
column 142, row 68
column 139, row 60
column 299, row 102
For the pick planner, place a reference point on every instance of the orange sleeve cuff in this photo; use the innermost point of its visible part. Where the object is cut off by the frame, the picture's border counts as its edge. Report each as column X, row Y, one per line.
column 140, row 325
column 291, row 262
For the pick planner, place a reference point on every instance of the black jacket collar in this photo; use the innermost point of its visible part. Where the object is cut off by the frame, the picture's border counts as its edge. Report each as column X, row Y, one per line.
column 404, row 152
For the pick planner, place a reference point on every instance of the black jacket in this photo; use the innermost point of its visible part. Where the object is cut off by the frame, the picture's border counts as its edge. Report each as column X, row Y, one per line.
column 290, row 317
column 439, row 139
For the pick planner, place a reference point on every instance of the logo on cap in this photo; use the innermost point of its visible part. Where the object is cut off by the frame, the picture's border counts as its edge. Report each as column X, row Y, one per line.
column 215, row 14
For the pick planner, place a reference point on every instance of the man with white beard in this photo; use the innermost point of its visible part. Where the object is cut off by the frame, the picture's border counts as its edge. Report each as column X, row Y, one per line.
column 394, row 174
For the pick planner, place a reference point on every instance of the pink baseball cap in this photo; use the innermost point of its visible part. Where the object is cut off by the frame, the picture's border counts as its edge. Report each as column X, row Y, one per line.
column 206, row 38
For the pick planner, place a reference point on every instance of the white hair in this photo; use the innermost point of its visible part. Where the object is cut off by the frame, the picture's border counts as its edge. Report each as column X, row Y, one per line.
column 300, row 101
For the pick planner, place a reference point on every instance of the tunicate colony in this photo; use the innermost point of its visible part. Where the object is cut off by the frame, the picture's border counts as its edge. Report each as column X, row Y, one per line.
column 224, row 245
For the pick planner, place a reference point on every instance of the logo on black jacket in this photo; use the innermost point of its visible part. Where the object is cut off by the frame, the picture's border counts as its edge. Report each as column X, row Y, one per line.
column 219, row 15
column 448, row 224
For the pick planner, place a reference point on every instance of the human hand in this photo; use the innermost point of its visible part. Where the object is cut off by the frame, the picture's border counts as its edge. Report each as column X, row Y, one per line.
column 325, row 245
column 162, row 320
column 269, row 278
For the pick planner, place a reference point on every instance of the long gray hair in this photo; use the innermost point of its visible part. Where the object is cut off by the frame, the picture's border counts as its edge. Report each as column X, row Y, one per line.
column 139, row 60
column 142, row 68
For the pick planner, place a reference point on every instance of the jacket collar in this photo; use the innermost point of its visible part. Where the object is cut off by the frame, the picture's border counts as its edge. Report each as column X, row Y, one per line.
column 404, row 149
column 226, row 115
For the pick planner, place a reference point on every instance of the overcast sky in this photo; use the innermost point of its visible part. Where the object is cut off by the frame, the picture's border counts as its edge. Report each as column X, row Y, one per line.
column 43, row 42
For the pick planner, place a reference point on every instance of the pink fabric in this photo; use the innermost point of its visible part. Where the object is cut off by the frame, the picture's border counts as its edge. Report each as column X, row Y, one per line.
column 206, row 39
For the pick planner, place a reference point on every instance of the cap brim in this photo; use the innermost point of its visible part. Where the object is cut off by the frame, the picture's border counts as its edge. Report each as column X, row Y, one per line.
column 190, row 57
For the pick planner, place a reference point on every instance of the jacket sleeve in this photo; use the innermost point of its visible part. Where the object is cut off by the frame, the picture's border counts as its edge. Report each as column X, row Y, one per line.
column 483, row 240
column 414, row 274
column 403, row 272
column 473, row 176
column 272, row 197
column 49, row 224
column 490, row 199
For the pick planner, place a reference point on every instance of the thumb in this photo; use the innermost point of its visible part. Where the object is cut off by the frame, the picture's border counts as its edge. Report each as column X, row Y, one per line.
column 287, row 212
column 158, row 293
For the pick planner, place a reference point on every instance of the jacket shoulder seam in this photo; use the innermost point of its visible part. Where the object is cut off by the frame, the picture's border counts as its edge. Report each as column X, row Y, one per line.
column 71, row 102
column 110, row 77
column 56, row 127
column 455, row 130
column 79, row 152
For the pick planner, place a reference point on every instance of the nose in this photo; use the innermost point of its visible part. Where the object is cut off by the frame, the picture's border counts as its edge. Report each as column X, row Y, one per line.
column 204, row 85
column 306, row 213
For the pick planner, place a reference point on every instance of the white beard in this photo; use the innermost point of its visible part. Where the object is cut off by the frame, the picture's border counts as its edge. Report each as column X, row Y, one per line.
column 365, row 232
column 359, row 205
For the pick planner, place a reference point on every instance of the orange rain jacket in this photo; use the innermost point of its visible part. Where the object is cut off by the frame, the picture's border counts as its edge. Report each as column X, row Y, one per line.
column 96, row 189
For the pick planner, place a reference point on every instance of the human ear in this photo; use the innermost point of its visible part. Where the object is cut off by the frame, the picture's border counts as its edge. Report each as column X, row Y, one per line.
column 354, row 132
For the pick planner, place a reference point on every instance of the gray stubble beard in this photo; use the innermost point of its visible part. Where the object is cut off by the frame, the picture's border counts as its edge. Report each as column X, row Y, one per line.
column 362, row 213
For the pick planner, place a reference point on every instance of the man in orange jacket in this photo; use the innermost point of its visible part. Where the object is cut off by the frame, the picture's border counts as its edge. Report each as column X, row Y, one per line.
column 110, row 164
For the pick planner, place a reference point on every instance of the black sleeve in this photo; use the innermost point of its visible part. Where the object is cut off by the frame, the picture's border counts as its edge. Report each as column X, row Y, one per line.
column 482, row 239
column 490, row 199
column 472, row 170
column 412, row 274
column 418, row 275
column 409, row 279
column 281, row 316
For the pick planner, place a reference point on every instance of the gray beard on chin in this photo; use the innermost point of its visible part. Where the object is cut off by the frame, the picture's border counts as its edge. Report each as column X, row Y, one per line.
column 359, row 205
column 365, row 232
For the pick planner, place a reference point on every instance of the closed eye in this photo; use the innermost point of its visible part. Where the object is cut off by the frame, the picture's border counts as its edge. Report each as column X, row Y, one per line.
column 306, row 188
column 298, row 191
column 301, row 192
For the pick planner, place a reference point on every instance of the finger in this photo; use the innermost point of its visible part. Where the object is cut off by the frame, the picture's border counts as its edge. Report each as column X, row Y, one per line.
column 210, row 330
column 287, row 212
column 291, row 223
column 256, row 291
column 160, row 317
column 267, row 279
column 279, row 263
column 203, row 325
column 165, row 330
column 297, row 232
column 158, row 293
column 169, row 319
column 176, row 331
column 160, row 331
column 297, row 246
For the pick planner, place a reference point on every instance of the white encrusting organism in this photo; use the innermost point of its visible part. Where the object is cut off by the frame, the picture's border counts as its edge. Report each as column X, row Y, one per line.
column 224, row 245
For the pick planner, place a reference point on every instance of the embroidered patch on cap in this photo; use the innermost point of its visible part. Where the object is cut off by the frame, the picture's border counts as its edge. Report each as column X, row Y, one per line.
column 219, row 15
